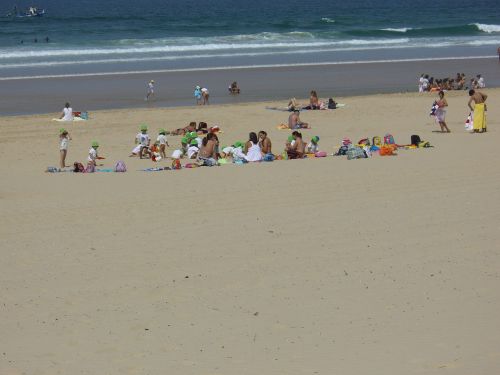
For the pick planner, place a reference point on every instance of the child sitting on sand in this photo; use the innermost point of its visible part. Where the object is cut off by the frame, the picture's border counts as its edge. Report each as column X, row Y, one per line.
column 142, row 142
column 313, row 147
column 64, row 139
column 162, row 142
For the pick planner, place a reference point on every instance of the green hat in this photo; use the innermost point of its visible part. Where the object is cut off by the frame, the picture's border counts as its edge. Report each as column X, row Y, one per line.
column 184, row 140
column 193, row 135
column 144, row 127
column 62, row 131
column 162, row 131
column 238, row 144
column 290, row 138
column 95, row 144
column 194, row 142
column 315, row 139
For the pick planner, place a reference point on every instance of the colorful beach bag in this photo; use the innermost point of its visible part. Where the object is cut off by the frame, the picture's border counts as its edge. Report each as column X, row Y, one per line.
column 78, row 167
column 389, row 139
column 120, row 167
column 415, row 140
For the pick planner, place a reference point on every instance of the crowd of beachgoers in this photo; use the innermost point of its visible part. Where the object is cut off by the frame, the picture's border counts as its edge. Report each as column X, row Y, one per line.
column 199, row 143
column 459, row 82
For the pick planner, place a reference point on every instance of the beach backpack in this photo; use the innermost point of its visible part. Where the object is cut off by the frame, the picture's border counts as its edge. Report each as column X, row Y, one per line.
column 84, row 115
column 415, row 140
column 78, row 167
column 389, row 139
column 332, row 104
column 120, row 167
column 376, row 141
column 90, row 168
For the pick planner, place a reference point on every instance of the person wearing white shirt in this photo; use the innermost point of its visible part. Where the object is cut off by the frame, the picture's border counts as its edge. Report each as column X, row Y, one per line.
column 142, row 141
column 63, row 147
column 480, row 82
column 151, row 90
column 67, row 113
column 205, row 94
column 91, row 160
column 162, row 141
column 193, row 150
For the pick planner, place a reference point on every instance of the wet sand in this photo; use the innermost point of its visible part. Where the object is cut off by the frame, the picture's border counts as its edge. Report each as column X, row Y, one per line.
column 176, row 88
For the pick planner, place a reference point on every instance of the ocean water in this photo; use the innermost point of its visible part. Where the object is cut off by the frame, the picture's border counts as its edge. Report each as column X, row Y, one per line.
column 95, row 36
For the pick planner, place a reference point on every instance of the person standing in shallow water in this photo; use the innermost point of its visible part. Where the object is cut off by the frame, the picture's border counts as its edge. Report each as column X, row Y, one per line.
column 441, row 112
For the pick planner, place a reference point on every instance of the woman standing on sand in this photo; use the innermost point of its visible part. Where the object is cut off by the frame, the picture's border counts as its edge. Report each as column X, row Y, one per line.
column 441, row 113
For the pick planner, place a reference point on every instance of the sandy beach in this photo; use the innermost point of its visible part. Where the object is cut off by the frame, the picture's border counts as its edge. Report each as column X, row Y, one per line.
column 387, row 265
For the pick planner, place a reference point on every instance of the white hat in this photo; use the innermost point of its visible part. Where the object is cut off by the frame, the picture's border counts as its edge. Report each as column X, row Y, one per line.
column 152, row 81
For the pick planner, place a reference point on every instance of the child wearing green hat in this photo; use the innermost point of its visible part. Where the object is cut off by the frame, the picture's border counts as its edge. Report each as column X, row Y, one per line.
column 91, row 160
column 162, row 141
column 64, row 139
column 142, row 141
column 313, row 147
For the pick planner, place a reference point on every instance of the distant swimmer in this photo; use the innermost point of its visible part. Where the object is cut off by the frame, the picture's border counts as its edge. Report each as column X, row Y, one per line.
column 151, row 90
column 35, row 40
column 47, row 39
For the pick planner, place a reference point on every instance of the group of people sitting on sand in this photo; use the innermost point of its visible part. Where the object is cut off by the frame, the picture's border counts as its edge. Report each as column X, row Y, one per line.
column 459, row 82
column 314, row 103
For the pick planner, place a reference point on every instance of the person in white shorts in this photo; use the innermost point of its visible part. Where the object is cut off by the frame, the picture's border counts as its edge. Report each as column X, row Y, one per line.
column 91, row 160
column 67, row 113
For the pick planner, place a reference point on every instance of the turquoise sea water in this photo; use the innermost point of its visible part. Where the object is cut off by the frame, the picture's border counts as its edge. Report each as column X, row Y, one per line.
column 88, row 36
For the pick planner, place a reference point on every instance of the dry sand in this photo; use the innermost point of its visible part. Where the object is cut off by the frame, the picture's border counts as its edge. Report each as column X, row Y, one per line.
column 383, row 266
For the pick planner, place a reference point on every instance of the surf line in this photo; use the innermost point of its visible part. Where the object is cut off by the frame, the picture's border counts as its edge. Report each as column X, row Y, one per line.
column 240, row 67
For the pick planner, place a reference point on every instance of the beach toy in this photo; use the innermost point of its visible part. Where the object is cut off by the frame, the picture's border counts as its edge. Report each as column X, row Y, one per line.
column 320, row 154
column 222, row 161
column 144, row 127
column 95, row 144
column 176, row 164
column 194, row 142
column 315, row 139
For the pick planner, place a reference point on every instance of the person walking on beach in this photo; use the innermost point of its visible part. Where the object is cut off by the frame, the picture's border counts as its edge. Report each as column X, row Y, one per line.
column 151, row 90
column 441, row 112
column 479, row 110
column 498, row 51
column 205, row 94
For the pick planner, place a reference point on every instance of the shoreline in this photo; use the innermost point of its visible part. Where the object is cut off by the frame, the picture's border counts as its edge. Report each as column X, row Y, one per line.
column 89, row 92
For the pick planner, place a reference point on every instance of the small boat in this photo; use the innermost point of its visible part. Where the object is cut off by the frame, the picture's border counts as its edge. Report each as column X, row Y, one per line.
column 29, row 12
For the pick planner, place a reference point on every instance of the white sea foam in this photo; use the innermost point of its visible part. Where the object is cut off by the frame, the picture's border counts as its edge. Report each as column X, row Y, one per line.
column 487, row 28
column 328, row 20
column 400, row 30
column 66, row 52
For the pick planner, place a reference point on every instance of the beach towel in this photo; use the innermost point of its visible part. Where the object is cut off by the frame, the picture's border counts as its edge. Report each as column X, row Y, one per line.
column 479, row 117
column 283, row 127
column 75, row 119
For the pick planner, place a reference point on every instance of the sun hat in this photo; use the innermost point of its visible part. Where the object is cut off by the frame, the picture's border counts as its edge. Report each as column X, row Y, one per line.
column 184, row 140
column 315, row 139
column 144, row 127
column 193, row 135
column 62, row 131
column 194, row 142
column 290, row 138
column 162, row 131
column 95, row 144
column 238, row 144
